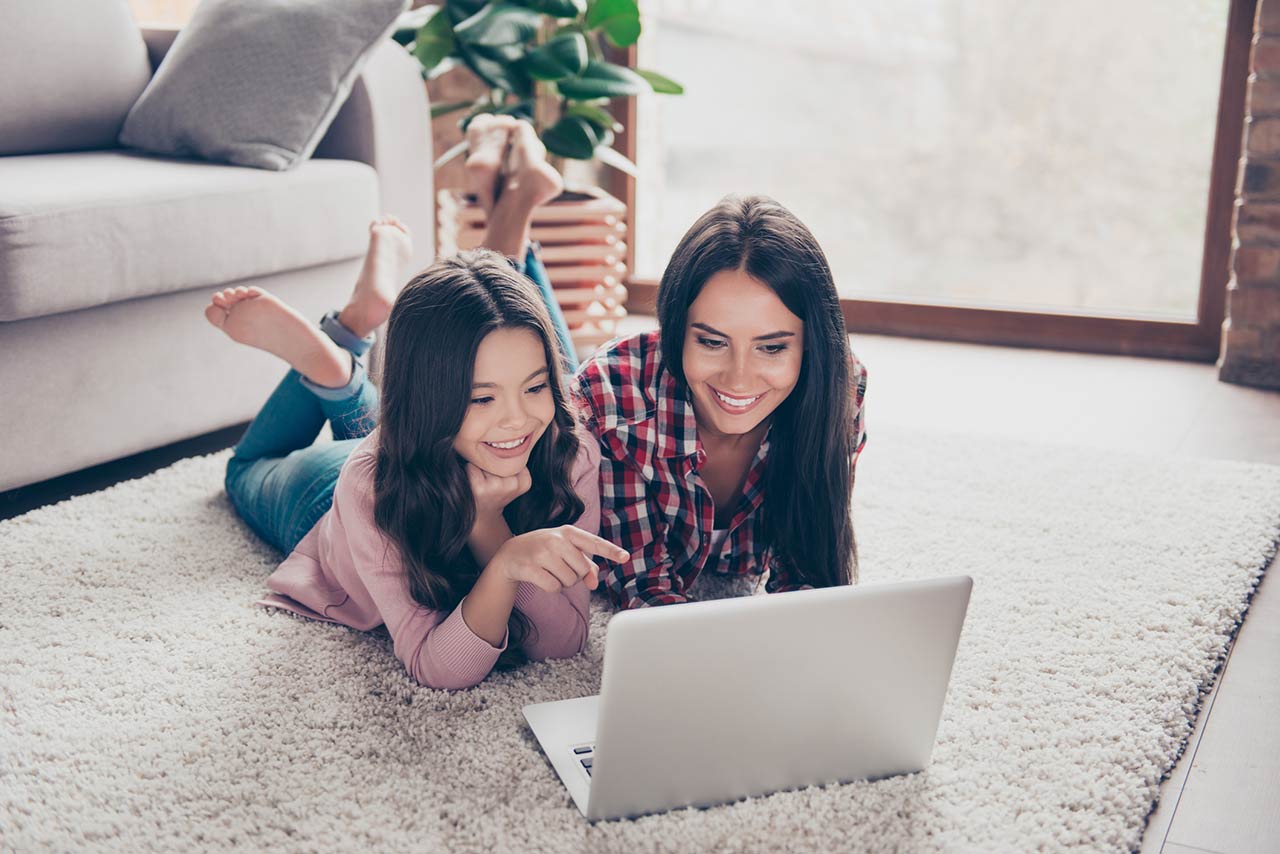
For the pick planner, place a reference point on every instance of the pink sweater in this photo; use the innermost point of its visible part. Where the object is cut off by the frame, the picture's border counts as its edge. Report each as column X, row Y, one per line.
column 346, row 570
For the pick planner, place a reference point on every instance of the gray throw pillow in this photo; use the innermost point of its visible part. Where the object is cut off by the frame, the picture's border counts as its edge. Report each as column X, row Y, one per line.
column 69, row 72
column 257, row 82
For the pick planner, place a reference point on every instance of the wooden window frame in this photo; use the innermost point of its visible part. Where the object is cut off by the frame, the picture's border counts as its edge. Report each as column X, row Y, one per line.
column 1197, row 340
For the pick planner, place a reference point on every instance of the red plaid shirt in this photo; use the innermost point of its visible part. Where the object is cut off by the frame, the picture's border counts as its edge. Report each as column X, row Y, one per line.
column 653, row 502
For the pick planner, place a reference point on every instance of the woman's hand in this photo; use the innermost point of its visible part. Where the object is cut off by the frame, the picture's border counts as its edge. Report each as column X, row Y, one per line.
column 493, row 493
column 554, row 559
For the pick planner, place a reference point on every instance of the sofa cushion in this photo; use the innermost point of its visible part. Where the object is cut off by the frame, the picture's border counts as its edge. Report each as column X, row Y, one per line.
column 257, row 82
column 70, row 70
column 88, row 228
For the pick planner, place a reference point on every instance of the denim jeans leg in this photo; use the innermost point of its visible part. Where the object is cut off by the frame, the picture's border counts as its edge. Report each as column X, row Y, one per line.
column 279, row 481
column 352, row 410
column 532, row 267
column 290, row 419
column 282, row 498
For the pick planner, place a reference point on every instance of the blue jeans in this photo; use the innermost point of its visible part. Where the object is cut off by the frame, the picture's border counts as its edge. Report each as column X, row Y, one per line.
column 278, row 480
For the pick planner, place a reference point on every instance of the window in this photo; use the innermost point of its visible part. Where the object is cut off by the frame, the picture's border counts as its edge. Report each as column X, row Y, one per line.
column 1010, row 154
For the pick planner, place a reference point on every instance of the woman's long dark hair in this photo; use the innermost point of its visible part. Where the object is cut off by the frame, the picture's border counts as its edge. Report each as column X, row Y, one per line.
column 422, row 497
column 807, row 479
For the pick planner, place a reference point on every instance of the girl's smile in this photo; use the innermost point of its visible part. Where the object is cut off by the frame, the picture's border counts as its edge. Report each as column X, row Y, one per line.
column 511, row 403
column 508, row 450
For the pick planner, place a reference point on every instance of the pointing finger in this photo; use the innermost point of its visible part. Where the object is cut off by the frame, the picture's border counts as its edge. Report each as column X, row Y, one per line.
column 591, row 544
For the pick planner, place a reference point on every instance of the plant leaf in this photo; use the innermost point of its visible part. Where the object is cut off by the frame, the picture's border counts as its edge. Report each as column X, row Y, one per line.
column 438, row 110
column 507, row 54
column 620, row 20
column 408, row 24
column 598, row 116
column 443, row 67
column 498, row 75
column 610, row 157
column 556, row 8
column 603, row 80
column 563, row 56
column 661, row 85
column 460, row 10
column 434, row 41
column 499, row 24
column 571, row 137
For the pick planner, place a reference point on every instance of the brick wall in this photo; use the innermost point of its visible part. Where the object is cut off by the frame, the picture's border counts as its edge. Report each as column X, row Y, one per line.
column 1251, row 332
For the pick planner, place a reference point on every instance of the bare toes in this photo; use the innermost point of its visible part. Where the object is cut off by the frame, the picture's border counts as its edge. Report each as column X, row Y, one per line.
column 215, row 315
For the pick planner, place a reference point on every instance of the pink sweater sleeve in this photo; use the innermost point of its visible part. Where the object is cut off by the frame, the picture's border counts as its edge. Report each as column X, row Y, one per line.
column 561, row 618
column 437, row 649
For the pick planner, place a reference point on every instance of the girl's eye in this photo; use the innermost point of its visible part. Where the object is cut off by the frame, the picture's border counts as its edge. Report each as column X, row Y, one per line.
column 541, row 387
column 711, row 343
column 481, row 401
column 774, row 349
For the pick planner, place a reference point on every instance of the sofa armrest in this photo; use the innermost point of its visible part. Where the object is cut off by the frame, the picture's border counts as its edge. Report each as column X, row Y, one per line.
column 386, row 122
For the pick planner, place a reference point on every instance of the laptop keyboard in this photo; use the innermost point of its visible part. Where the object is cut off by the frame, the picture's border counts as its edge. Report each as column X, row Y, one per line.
column 584, row 754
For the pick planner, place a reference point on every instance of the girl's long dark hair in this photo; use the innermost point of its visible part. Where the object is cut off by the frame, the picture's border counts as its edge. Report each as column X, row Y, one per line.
column 422, row 497
column 808, row 485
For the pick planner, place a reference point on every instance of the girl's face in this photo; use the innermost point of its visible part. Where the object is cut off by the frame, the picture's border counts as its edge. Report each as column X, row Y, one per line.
column 511, row 403
column 742, row 353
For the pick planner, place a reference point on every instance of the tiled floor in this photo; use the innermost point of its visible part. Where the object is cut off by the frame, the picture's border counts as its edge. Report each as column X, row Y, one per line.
column 1222, row 796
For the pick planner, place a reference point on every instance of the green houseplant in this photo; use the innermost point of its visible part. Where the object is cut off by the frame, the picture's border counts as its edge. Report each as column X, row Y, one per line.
column 542, row 60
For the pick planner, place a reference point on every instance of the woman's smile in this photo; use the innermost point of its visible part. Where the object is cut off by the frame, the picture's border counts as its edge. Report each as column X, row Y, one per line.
column 736, row 404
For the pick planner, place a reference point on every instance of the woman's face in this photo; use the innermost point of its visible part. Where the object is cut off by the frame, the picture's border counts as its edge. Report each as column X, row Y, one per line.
column 742, row 353
column 511, row 402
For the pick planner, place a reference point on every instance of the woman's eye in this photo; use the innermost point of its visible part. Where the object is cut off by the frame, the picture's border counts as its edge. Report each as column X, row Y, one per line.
column 774, row 349
column 481, row 401
column 711, row 343
column 541, row 387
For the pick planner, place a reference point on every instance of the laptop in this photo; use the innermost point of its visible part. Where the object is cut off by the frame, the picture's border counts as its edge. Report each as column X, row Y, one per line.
column 705, row 703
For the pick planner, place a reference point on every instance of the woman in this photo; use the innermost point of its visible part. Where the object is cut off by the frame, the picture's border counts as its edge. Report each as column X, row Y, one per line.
column 730, row 435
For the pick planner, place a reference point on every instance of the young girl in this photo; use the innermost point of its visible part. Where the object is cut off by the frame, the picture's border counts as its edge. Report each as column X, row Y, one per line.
column 465, row 521
column 730, row 435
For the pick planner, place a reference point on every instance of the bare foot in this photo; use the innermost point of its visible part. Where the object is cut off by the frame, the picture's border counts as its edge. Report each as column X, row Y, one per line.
column 529, row 172
column 390, row 247
column 254, row 317
column 488, row 136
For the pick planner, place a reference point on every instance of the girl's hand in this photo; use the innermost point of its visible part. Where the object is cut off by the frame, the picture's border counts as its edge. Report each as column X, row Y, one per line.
column 493, row 493
column 554, row 559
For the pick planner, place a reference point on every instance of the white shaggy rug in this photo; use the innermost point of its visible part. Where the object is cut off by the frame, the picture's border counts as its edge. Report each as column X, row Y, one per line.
column 147, row 705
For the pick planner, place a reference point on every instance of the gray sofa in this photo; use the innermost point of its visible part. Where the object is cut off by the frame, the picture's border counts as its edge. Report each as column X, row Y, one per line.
column 107, row 258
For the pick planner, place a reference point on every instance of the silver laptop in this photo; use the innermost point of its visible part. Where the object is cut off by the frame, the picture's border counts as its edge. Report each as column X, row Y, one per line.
column 709, row 702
